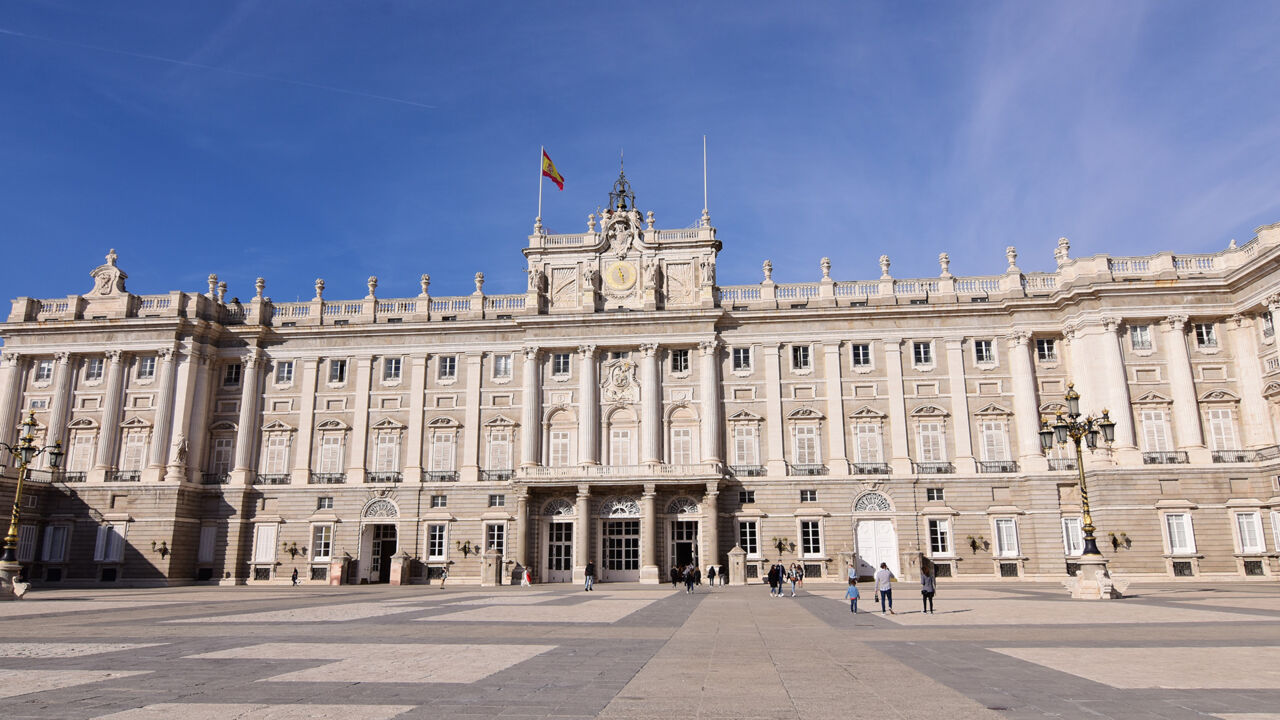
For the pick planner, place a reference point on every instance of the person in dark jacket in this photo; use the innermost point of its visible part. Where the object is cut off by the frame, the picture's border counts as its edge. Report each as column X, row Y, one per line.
column 591, row 576
column 675, row 576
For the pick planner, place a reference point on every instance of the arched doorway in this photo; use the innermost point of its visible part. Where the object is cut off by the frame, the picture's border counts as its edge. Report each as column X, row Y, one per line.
column 874, row 534
column 379, row 539
column 682, row 541
column 558, row 527
column 620, row 540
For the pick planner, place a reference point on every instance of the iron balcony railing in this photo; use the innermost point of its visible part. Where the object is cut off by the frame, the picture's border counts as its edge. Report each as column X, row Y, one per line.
column 210, row 478
column 1270, row 452
column 439, row 476
column 933, row 468
column 872, row 469
column 384, row 477
column 277, row 479
column 497, row 475
column 75, row 477
column 746, row 470
column 806, row 469
column 1166, row 457
column 1234, row 456
column 44, row 476
column 327, row 479
column 1062, row 464
column 124, row 475
column 997, row 466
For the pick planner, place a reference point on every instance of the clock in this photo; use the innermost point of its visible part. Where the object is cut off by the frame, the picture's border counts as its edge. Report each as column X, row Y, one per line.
column 620, row 275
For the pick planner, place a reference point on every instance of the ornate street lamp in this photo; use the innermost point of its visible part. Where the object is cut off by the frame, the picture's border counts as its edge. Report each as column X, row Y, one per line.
column 1076, row 428
column 24, row 451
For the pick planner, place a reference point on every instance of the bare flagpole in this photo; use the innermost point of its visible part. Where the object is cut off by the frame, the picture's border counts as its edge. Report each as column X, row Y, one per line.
column 706, row 215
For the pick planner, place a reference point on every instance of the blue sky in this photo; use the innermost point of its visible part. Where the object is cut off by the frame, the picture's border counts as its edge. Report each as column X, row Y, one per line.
column 297, row 139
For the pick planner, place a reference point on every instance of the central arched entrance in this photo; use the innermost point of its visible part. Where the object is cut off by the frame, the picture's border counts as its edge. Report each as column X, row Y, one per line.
column 875, row 535
column 558, row 529
column 620, row 540
column 684, row 532
column 379, row 539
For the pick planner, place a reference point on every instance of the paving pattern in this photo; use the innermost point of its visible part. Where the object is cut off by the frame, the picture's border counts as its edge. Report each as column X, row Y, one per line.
column 629, row 651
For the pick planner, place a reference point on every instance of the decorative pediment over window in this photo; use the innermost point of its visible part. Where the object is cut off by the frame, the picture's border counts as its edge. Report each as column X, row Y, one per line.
column 1219, row 396
column 682, row 506
column 500, row 421
column 866, row 412
column 82, row 423
column 135, row 422
column 872, row 502
column 277, row 426
column 994, row 409
column 550, row 416
column 804, row 413
column 387, row 424
column 929, row 411
column 620, row 507
column 380, row 508
column 1271, row 390
column 745, row 416
column 332, row 425
column 1153, row 398
column 223, row 426
column 559, row 507
column 682, row 411
column 1053, row 408
column 442, row 422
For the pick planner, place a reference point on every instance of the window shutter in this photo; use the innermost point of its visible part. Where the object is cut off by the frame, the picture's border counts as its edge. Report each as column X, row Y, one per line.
column 265, row 547
column 208, row 535
column 26, row 543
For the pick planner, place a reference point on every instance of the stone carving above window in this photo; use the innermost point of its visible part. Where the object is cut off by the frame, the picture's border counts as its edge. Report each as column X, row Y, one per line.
column 872, row 502
column 622, row 507
column 380, row 508
column 558, row 507
column 618, row 383
column 682, row 506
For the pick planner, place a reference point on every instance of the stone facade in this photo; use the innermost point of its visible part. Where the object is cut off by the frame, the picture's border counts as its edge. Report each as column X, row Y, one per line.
column 627, row 410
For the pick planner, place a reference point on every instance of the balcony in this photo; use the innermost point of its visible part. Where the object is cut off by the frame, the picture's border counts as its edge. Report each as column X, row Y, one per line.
column 44, row 476
column 1168, row 457
column 272, row 480
column 746, row 470
column 214, row 478
column 384, row 477
column 704, row 471
column 497, row 475
column 997, row 466
column 439, row 476
column 872, row 469
column 1270, row 452
column 806, row 469
column 1234, row 456
column 1063, row 464
column 124, row 475
column 327, row 479
column 933, row 468
column 74, row 477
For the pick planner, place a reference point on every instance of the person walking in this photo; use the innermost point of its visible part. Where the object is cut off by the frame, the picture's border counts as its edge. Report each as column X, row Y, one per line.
column 852, row 594
column 526, row 578
column 711, row 576
column 590, row 576
column 793, row 575
column 675, row 576
column 724, row 576
column 444, row 575
column 772, row 577
column 928, row 586
column 884, row 588
column 295, row 576
column 800, row 575
column 690, row 578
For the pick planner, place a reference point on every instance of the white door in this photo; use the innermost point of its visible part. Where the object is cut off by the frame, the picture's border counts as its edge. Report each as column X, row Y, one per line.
column 877, row 543
column 620, row 551
column 559, row 552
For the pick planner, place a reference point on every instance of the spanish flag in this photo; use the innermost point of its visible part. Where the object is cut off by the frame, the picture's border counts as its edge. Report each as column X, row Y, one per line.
column 549, row 170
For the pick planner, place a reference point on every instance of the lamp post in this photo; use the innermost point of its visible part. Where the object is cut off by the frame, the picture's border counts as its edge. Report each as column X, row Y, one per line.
column 1075, row 428
column 24, row 451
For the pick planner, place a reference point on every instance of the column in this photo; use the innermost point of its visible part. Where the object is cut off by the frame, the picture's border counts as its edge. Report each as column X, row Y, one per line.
column 110, row 416
column 649, row 535
column 1186, row 411
column 247, row 430
column 775, row 462
column 709, row 389
column 164, row 417
column 899, row 452
column 1117, row 380
column 837, row 454
column 963, row 453
column 711, row 526
column 188, row 369
column 356, row 459
column 1255, row 422
column 522, row 527
column 530, row 409
column 582, row 533
column 61, row 399
column 10, row 379
column 417, row 401
column 1026, row 411
column 588, row 407
column 306, row 421
column 470, row 467
column 201, row 408
column 650, row 406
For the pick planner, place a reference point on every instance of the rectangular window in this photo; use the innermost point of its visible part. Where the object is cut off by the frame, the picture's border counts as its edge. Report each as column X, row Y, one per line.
column 1046, row 350
column 868, row 447
column 1155, row 431
column 810, row 538
column 805, row 441
column 38, row 404
column 679, row 361
column 81, row 453
column 447, row 368
column 682, row 446
column 275, row 456
column 620, row 447
column 748, row 538
column 1250, row 526
column 995, row 441
column 54, row 549
column 264, row 544
column 939, row 537
column 26, row 543
column 133, row 451
column 501, row 367
column 1006, row 537
column 391, row 369
column 324, row 503
column 495, row 537
column 800, row 357
column 208, row 537
column 1275, row 528
column 861, row 353
column 934, row 494
column 435, row 542
column 560, row 365
column 808, row 496
column 929, row 439
column 1222, row 429
column 93, row 369
column 1205, row 335
column 146, row 368
column 1181, row 538
column 331, row 453
column 500, row 449
column 442, row 445
column 386, row 452
column 44, row 371
column 559, row 448
column 439, row 501
column 983, row 352
column 1140, row 337
column 745, row 445
column 497, row 501
column 1072, row 537
column 1268, row 325
column 922, row 353
column 231, row 375
column 337, row 371
column 110, row 543
column 222, row 456
column 742, row 359
column 321, row 542
column 284, row 372
column 746, row 497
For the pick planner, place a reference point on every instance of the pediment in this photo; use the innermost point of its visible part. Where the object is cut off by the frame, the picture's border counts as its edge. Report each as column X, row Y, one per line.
column 1271, row 389
column 1054, row 408
column 1219, row 396
column 804, row 413
column 332, row 425
column 135, row 422
column 387, row 424
column 500, row 421
column 929, row 411
column 1153, row 398
column 866, row 412
column 994, row 409
column 82, row 423
column 277, row 426
column 745, row 416
column 443, row 421
column 222, row 425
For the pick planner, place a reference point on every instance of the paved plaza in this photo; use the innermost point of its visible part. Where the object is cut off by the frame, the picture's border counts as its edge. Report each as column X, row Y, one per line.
column 631, row 651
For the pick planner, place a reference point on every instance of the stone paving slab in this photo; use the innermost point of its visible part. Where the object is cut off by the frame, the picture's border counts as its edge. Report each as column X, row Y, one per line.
column 1242, row 667
column 248, row 711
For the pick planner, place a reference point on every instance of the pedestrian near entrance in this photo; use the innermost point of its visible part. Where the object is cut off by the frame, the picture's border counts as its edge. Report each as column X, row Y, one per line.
column 591, row 576
column 852, row 594
column 711, row 576
column 793, row 575
column 675, row 576
column 295, row 576
column 772, row 577
column 526, row 578
column 928, row 586
column 690, row 577
column 444, row 575
column 884, row 588
column 853, row 573
column 724, row 577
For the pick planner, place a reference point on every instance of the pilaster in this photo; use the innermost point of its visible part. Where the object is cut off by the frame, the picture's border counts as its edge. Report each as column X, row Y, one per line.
column 588, row 407
column 899, row 450
column 530, row 404
column 363, row 378
column 1121, row 408
column 1186, row 410
column 1254, row 418
column 775, row 464
column 110, row 435
column 712, row 426
column 963, row 453
column 649, row 535
column 711, row 525
column 470, row 466
column 837, row 455
column 61, row 401
column 306, row 421
column 582, row 533
column 1026, row 409
column 164, row 417
column 650, row 406
column 10, row 378
column 247, row 434
column 417, row 407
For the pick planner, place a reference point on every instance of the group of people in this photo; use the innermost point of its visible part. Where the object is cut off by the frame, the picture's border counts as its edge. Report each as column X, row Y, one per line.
column 883, row 581
column 691, row 576
column 779, row 576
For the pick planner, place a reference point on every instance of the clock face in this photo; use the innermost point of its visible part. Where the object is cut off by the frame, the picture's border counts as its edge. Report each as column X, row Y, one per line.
column 620, row 275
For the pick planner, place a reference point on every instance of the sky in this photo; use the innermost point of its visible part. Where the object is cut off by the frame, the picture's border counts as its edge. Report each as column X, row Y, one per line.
column 297, row 139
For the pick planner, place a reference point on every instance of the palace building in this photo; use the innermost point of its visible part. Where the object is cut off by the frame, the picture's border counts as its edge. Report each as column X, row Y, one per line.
column 627, row 410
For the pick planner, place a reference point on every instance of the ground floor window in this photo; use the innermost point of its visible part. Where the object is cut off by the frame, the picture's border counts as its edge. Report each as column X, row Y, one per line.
column 940, row 537
column 55, row 544
column 1181, row 536
column 810, row 537
column 321, row 542
column 435, row 542
column 1006, row 537
column 748, row 537
column 1250, row 526
column 110, row 544
column 264, row 545
column 621, row 544
column 495, row 538
column 208, row 535
column 1072, row 537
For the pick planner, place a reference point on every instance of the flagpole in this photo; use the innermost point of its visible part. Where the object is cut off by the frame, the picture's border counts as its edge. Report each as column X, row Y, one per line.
column 706, row 214
column 541, row 151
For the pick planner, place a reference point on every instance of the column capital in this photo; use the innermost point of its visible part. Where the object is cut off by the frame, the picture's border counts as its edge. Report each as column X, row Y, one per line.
column 9, row 359
column 1176, row 322
column 253, row 358
column 165, row 353
column 832, row 345
column 1238, row 319
column 713, row 487
column 709, row 347
column 953, row 343
column 113, row 355
column 892, row 344
column 1018, row 338
column 584, row 491
column 530, row 352
column 649, row 350
column 1070, row 331
column 1273, row 300
column 650, row 490
column 1111, row 324
column 62, row 358
column 587, row 352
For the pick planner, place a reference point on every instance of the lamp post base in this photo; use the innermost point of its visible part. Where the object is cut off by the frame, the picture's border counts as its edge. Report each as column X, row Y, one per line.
column 1093, row 582
column 10, row 588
